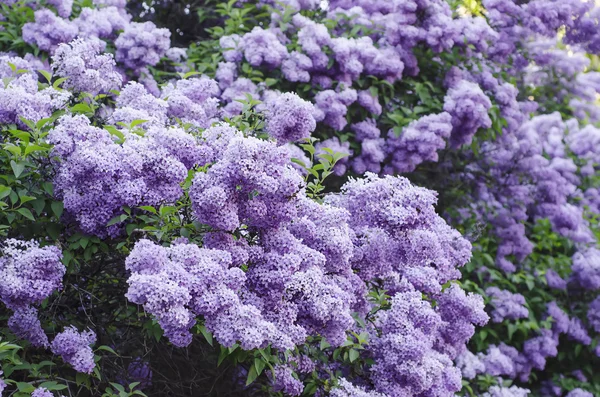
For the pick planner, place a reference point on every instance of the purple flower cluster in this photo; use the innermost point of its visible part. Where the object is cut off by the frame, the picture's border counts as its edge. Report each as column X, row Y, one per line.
column 506, row 305
column 193, row 101
column 253, row 183
column 30, row 274
column 285, row 382
column 468, row 106
column 21, row 98
column 372, row 151
column 63, row 7
column 96, row 175
column 141, row 45
column 41, row 392
column 289, row 118
column 331, row 107
column 85, row 68
column 398, row 233
column 407, row 361
column 419, row 142
column 48, row 30
column 513, row 391
column 175, row 284
column 103, row 23
column 74, row 348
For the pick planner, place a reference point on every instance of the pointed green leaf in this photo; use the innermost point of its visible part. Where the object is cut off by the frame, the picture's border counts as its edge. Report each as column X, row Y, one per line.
column 17, row 168
column 26, row 213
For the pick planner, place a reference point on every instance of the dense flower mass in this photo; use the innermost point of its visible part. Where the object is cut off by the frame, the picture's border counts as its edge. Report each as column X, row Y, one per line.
column 30, row 274
column 142, row 44
column 74, row 348
column 289, row 118
column 85, row 68
column 218, row 183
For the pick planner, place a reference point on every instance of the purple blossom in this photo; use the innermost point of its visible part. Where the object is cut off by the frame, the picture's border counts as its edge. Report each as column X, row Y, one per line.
column 577, row 332
column 142, row 44
column 74, row 348
column 140, row 371
column 559, row 318
column 193, row 101
column 586, row 268
column 249, row 167
column 96, row 176
column 513, row 391
column 289, row 118
column 296, row 67
column 579, row 393
column 468, row 106
column 86, row 69
column 554, row 280
column 63, row 7
column 406, row 362
column 469, row 364
column 499, row 360
column 419, row 141
column 331, row 107
column 30, row 274
column 263, row 47
column 103, row 23
column 347, row 389
column 593, row 314
column 48, row 30
column 21, row 98
column 25, row 324
column 235, row 92
column 226, row 74
column 41, row 392
column 506, row 305
column 369, row 102
column 285, row 382
column 136, row 103
column 232, row 48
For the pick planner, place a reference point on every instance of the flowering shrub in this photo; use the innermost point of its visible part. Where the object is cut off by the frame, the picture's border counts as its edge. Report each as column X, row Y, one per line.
column 346, row 198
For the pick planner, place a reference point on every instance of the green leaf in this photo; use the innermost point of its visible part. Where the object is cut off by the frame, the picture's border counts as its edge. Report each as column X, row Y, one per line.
column 4, row 191
column 260, row 365
column 17, row 168
column 53, row 230
column 252, row 375
column 483, row 334
column 353, row 355
column 117, row 386
column 38, row 205
column 58, row 82
column 114, row 131
column 81, row 108
column 26, row 213
column 57, row 208
column 116, row 219
column 34, row 148
column 53, row 386
column 47, row 75
column 108, row 349
column 25, row 387
column 135, row 123
column 25, row 199
column 149, row 209
column 207, row 335
column 222, row 355
column 512, row 328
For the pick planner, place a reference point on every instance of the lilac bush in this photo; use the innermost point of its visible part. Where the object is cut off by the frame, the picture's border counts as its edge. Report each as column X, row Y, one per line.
column 211, row 192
